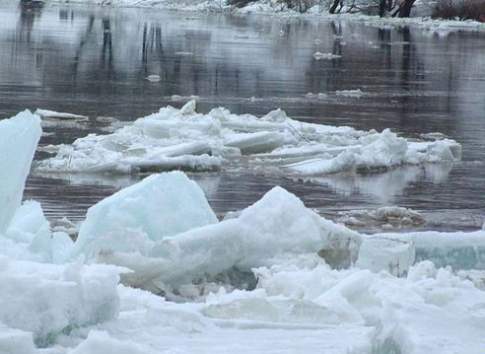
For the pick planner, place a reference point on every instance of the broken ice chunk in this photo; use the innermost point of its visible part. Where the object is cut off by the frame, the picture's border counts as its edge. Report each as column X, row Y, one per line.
column 254, row 143
column 380, row 253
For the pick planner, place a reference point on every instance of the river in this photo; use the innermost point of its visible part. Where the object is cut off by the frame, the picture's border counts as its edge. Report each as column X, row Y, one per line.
column 94, row 61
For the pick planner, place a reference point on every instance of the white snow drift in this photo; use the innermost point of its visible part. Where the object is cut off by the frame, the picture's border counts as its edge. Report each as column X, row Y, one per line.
column 185, row 139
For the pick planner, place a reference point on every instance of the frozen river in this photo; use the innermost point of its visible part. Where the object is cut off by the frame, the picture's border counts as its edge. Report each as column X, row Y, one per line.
column 95, row 61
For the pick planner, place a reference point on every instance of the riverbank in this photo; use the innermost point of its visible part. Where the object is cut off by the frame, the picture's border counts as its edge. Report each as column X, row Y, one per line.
column 274, row 8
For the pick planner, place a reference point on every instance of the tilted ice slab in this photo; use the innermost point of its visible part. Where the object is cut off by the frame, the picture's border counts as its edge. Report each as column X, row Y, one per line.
column 18, row 140
column 133, row 219
column 45, row 113
column 184, row 139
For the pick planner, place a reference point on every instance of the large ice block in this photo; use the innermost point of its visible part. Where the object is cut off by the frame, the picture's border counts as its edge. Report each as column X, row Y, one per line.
column 18, row 141
column 159, row 206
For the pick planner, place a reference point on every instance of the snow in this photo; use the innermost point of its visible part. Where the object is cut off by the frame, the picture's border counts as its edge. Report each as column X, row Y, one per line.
column 151, row 210
column 14, row 341
column 279, row 9
column 99, row 342
column 184, row 139
column 18, row 140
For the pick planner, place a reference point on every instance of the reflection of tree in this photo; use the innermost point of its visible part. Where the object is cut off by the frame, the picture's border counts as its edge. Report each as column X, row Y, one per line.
column 29, row 12
column 152, row 45
column 107, row 51
column 411, row 73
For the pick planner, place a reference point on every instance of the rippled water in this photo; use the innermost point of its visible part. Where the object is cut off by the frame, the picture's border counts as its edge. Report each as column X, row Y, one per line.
column 94, row 61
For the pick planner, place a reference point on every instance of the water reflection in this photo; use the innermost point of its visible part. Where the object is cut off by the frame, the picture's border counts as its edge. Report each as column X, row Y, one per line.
column 387, row 186
column 30, row 10
column 95, row 61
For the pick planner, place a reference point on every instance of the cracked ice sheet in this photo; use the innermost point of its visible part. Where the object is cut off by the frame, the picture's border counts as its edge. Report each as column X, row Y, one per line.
column 184, row 139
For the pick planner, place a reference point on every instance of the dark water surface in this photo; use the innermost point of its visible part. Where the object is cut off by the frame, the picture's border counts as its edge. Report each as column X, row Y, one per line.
column 94, row 61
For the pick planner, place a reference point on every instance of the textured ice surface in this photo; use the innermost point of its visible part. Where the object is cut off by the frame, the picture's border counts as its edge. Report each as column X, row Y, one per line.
column 131, row 220
column 18, row 140
column 185, row 139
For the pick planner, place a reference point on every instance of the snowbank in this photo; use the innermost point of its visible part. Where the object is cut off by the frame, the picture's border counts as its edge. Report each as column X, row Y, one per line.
column 280, row 9
column 185, row 139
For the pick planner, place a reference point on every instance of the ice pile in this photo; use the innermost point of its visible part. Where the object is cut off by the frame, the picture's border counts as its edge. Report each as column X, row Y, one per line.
column 165, row 232
column 184, row 139
column 314, row 285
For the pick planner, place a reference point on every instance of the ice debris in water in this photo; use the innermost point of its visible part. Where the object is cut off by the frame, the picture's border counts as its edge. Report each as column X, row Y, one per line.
column 184, row 139
column 325, row 56
column 350, row 93
column 385, row 217
column 48, row 114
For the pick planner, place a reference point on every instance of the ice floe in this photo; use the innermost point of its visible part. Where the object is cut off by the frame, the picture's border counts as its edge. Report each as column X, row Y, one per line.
column 184, row 139
column 48, row 114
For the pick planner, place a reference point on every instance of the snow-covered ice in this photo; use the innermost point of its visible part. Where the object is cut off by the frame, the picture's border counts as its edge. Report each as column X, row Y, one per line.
column 184, row 139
